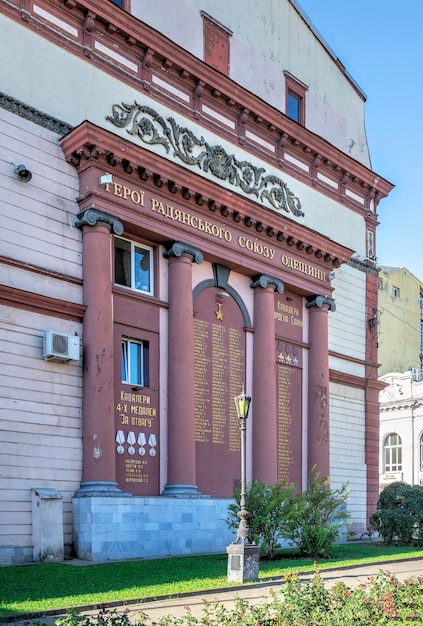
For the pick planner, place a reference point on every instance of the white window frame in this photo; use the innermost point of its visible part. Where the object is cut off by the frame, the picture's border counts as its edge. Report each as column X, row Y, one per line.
column 132, row 375
column 134, row 279
column 392, row 449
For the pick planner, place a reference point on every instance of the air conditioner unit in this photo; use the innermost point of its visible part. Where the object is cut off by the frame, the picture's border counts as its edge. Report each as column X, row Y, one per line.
column 414, row 373
column 61, row 348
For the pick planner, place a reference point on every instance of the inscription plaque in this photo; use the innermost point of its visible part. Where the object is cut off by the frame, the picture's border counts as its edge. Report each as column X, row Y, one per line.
column 219, row 365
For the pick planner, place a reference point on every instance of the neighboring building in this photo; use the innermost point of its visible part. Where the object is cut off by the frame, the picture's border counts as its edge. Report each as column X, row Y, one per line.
column 401, row 430
column 400, row 329
column 195, row 194
column 400, row 322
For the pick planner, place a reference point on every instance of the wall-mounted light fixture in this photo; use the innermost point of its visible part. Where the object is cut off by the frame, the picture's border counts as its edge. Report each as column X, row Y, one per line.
column 23, row 174
column 373, row 321
column 106, row 179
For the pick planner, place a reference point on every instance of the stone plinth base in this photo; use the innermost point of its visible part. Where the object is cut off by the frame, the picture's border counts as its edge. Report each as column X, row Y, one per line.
column 243, row 563
column 116, row 528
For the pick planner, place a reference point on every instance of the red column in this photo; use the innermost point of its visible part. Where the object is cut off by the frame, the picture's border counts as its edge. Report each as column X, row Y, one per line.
column 98, row 434
column 265, row 429
column 181, row 471
column 318, row 384
column 373, row 387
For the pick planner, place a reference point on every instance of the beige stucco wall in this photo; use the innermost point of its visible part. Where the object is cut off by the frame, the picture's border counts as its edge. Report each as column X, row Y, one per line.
column 400, row 321
column 61, row 84
column 279, row 40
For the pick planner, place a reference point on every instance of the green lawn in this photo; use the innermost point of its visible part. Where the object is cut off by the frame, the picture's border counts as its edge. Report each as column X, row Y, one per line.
column 41, row 587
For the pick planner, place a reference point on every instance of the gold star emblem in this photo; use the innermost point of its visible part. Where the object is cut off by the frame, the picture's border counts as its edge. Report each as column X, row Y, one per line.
column 219, row 312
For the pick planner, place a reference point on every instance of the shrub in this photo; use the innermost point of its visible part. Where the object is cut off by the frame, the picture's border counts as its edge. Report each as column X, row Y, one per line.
column 399, row 514
column 317, row 515
column 309, row 520
column 269, row 508
column 382, row 601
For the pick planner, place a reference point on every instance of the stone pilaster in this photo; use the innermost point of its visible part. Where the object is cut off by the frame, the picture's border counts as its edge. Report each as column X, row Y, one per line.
column 264, row 396
column 98, row 475
column 181, row 471
column 318, row 384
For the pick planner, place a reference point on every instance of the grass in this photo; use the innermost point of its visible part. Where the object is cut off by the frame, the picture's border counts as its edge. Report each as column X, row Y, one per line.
column 48, row 586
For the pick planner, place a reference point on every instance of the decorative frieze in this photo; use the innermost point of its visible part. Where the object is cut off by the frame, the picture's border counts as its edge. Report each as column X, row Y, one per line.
column 153, row 130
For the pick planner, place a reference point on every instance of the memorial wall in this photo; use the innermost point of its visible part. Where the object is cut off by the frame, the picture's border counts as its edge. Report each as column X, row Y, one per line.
column 219, row 356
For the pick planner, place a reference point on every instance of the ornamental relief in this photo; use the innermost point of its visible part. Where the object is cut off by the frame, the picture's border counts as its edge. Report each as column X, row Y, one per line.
column 152, row 129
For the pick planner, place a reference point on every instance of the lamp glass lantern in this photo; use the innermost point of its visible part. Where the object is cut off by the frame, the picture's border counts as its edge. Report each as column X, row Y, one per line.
column 242, row 403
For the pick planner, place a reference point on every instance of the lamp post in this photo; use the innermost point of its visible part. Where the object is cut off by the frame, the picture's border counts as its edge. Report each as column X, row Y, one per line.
column 242, row 403
column 243, row 554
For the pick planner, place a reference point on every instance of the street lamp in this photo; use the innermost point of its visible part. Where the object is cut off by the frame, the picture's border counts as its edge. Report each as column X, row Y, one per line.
column 242, row 403
column 243, row 554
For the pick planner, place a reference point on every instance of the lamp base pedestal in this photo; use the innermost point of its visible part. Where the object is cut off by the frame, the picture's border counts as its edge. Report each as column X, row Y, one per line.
column 243, row 563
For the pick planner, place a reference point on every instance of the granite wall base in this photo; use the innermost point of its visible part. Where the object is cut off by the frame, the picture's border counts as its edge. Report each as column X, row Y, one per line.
column 122, row 528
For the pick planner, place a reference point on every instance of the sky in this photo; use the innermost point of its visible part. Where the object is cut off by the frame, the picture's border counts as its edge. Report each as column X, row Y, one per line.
column 381, row 46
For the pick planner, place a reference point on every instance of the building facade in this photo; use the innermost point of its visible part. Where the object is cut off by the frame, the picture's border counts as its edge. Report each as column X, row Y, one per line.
column 400, row 317
column 401, row 430
column 185, row 195
column 400, row 307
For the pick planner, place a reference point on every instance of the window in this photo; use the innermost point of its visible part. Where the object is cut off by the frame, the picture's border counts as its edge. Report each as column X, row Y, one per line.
column 295, row 99
column 133, row 265
column 294, row 106
column 421, row 452
column 135, row 362
column 395, row 292
column 392, row 453
column 380, row 284
column 123, row 4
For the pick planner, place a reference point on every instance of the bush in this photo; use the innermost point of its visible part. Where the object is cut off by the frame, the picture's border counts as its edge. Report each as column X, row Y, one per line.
column 399, row 514
column 309, row 520
column 317, row 515
column 268, row 507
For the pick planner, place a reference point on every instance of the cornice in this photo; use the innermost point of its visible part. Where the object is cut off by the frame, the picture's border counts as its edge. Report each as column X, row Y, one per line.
column 153, row 53
column 20, row 299
column 347, row 379
column 364, row 265
column 28, row 112
column 89, row 146
column 354, row 381
column 40, row 270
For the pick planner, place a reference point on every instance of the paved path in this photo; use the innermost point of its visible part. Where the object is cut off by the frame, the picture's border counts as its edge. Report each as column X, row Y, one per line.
column 253, row 593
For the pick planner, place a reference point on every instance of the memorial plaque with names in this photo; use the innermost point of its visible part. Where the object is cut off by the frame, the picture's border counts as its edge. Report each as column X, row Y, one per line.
column 219, row 362
column 137, row 440
column 289, row 423
column 288, row 355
